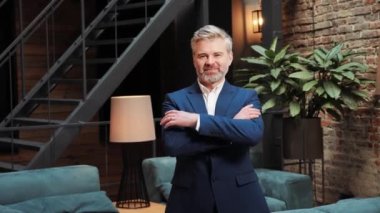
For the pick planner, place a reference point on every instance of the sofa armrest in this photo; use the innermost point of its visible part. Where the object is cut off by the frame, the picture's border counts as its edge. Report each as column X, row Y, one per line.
column 293, row 188
column 157, row 172
column 24, row 185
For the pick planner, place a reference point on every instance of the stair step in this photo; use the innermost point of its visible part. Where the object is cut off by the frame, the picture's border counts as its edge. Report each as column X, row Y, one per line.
column 141, row 4
column 36, row 121
column 74, row 81
column 109, row 42
column 24, row 143
column 123, row 23
column 11, row 166
column 57, row 101
column 94, row 61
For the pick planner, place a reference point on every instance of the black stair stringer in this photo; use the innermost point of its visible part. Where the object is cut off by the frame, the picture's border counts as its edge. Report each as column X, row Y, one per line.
column 104, row 88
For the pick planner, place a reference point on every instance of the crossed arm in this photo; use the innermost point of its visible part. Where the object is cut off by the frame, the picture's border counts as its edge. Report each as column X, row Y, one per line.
column 215, row 132
column 187, row 119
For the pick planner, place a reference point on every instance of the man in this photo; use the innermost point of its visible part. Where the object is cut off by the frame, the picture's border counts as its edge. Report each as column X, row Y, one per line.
column 209, row 127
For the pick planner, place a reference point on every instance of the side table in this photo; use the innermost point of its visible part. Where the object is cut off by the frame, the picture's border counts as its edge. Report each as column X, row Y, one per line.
column 153, row 208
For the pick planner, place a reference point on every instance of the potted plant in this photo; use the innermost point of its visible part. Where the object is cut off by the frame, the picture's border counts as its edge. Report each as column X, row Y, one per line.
column 326, row 81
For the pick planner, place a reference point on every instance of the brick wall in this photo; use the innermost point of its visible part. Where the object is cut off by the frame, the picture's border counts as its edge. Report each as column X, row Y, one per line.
column 351, row 146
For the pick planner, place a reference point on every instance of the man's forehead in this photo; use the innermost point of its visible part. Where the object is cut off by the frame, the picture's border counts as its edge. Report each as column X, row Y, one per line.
column 213, row 46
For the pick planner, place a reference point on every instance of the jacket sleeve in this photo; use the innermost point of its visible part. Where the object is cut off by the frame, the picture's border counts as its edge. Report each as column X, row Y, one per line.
column 237, row 131
column 215, row 131
column 180, row 141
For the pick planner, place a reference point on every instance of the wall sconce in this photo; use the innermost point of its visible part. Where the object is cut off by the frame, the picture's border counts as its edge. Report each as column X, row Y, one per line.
column 257, row 21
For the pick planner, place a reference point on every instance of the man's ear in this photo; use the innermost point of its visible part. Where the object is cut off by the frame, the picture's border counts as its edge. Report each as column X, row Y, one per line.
column 231, row 56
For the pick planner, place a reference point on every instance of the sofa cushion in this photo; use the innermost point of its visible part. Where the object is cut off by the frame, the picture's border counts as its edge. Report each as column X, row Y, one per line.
column 165, row 190
column 293, row 188
column 157, row 171
column 82, row 202
column 310, row 210
column 353, row 205
column 275, row 204
column 8, row 210
column 47, row 182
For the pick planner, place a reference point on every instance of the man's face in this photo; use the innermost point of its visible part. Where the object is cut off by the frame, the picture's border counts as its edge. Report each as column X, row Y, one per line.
column 211, row 60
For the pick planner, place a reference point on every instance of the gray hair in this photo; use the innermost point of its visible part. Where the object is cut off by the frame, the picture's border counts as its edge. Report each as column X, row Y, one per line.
column 211, row 32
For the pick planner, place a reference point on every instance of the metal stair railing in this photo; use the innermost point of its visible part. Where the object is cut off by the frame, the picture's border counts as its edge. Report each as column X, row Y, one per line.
column 77, row 44
column 32, row 26
column 92, row 100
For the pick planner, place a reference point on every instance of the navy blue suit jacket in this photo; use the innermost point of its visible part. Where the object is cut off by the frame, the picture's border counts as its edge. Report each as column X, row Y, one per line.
column 213, row 169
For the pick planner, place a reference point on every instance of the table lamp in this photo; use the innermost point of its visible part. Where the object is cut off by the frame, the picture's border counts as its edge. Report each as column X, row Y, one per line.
column 131, row 124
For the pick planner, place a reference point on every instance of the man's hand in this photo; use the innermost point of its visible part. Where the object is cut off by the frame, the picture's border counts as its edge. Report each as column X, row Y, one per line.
column 248, row 112
column 179, row 119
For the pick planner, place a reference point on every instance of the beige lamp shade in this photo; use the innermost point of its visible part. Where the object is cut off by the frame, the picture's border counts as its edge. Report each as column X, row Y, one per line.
column 131, row 119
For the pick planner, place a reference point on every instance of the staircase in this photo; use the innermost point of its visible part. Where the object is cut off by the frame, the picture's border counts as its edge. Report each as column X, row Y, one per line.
column 96, row 62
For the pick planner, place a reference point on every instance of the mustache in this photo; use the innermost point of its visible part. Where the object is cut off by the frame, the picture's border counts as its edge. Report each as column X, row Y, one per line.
column 206, row 68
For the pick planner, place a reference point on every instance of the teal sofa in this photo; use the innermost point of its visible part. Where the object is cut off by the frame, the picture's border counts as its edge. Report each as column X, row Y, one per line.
column 283, row 190
column 60, row 189
column 352, row 205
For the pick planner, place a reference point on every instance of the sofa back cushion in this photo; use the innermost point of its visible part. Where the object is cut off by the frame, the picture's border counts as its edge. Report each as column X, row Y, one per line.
column 158, row 173
column 82, row 202
column 24, row 185
column 256, row 155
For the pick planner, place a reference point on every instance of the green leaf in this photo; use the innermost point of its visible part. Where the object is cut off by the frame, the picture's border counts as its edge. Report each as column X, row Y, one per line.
column 294, row 108
column 260, row 50
column 349, row 75
column 291, row 82
column 320, row 90
column 274, row 44
column 268, row 104
column 331, row 89
column 303, row 75
column 274, row 85
column 281, row 90
column 352, row 65
column 252, row 60
column 307, row 86
column 337, row 76
column 319, row 57
column 279, row 56
column 328, row 105
column 249, row 85
column 350, row 102
column 299, row 67
column 361, row 94
column 275, row 72
column 256, row 77
column 333, row 52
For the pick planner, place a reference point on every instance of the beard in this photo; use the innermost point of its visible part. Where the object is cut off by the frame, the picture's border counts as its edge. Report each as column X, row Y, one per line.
column 204, row 77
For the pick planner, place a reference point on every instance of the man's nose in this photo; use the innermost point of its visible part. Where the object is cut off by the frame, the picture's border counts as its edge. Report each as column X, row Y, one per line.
column 210, row 60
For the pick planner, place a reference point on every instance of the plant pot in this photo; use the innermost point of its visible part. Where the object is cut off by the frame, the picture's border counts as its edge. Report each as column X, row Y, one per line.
column 302, row 138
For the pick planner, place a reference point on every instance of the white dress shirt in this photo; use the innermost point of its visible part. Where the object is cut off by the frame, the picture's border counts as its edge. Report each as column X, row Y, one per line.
column 210, row 97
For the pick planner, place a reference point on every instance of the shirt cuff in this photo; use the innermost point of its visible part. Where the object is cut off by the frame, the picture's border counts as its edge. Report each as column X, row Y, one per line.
column 198, row 123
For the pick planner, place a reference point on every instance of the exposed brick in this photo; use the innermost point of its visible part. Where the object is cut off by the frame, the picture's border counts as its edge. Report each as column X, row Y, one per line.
column 351, row 146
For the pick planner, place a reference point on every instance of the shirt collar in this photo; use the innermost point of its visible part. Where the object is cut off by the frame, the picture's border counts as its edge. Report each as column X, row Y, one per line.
column 216, row 89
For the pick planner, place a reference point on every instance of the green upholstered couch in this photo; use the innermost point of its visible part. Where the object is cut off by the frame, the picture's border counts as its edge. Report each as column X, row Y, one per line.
column 283, row 190
column 59, row 189
column 352, row 205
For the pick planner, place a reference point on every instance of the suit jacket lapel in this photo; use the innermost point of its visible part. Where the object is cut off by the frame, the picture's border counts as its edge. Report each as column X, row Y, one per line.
column 225, row 99
column 195, row 98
